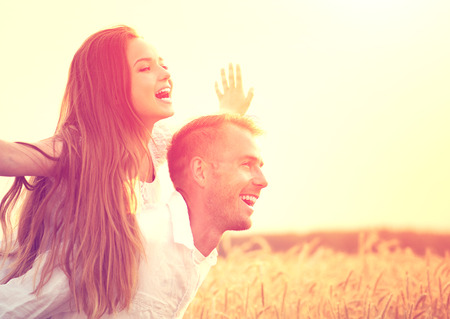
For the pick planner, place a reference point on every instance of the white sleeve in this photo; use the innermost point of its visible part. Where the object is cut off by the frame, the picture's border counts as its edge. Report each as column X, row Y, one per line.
column 18, row 301
column 161, row 137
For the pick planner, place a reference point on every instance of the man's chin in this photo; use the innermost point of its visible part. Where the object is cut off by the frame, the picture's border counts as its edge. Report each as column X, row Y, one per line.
column 243, row 225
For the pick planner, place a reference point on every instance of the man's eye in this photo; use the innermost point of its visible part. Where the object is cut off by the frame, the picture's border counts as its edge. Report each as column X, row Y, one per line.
column 246, row 164
column 165, row 67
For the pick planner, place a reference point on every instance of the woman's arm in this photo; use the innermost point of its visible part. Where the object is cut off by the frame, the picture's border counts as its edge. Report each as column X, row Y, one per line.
column 21, row 159
column 233, row 98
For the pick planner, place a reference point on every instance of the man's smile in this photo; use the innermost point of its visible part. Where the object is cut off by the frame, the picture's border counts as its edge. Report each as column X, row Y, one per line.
column 249, row 199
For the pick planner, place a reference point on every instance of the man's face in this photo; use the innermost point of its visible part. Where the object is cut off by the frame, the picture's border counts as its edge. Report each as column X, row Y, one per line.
column 236, row 180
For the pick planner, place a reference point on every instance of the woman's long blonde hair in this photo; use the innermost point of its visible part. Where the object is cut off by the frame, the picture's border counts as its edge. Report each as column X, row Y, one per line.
column 82, row 217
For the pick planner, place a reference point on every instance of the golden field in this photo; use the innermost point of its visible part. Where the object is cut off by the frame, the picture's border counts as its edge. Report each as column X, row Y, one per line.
column 381, row 280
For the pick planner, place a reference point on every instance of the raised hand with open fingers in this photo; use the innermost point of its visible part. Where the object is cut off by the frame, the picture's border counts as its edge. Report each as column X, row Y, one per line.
column 233, row 98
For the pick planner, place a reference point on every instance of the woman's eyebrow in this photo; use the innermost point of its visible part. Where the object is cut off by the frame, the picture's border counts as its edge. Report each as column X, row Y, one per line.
column 143, row 59
column 147, row 60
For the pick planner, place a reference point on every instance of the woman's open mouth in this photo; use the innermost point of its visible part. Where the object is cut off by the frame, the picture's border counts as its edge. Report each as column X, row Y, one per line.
column 164, row 95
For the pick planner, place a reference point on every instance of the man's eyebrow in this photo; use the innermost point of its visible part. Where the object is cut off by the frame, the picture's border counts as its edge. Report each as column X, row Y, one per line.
column 147, row 60
column 255, row 159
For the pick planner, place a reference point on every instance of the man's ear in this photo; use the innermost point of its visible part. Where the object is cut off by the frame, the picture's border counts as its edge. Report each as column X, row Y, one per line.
column 199, row 169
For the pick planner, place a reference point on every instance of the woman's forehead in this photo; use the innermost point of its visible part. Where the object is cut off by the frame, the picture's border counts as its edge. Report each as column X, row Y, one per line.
column 139, row 49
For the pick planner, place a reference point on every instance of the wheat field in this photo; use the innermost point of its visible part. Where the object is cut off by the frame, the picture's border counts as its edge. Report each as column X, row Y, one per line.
column 310, row 281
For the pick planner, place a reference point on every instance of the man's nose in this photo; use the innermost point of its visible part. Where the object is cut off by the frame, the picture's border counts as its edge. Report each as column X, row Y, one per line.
column 259, row 179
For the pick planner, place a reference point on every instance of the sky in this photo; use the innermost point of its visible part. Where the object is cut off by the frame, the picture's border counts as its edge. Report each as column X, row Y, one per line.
column 353, row 94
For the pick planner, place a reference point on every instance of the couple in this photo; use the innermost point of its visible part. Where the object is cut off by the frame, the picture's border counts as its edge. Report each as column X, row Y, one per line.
column 79, row 231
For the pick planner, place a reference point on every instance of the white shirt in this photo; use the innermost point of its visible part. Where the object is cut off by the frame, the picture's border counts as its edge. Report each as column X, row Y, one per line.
column 169, row 277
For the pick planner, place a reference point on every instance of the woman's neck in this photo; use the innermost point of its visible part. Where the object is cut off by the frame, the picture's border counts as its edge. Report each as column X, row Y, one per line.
column 147, row 171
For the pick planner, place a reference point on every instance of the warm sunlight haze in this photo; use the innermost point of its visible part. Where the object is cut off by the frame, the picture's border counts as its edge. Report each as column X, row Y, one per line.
column 354, row 95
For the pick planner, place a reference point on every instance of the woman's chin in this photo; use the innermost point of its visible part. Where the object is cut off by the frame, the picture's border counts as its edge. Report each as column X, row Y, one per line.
column 168, row 113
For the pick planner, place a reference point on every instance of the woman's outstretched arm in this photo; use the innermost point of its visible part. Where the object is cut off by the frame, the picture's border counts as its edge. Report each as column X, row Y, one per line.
column 23, row 159
column 233, row 98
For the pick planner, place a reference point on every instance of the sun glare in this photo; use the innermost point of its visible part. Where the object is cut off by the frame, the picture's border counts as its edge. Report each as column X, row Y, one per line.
column 353, row 95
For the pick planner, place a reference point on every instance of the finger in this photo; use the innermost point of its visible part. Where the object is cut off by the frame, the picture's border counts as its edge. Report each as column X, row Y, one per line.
column 238, row 76
column 249, row 97
column 218, row 92
column 231, row 75
column 224, row 79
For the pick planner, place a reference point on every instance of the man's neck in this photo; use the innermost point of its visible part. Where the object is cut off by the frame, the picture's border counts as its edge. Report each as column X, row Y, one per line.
column 206, row 239
column 206, row 235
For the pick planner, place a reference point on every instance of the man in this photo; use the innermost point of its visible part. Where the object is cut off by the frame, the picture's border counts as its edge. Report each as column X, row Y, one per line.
column 215, row 167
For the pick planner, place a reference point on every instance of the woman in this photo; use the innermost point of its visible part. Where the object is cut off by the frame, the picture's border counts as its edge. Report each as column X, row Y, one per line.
column 78, row 213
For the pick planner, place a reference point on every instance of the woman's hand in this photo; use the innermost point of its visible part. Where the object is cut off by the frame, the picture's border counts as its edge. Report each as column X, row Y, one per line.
column 233, row 99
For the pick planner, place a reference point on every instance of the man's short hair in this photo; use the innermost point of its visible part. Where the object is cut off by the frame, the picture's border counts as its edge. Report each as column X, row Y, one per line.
column 199, row 138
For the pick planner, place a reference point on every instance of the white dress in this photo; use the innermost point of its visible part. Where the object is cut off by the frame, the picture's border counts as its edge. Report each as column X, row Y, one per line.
column 169, row 277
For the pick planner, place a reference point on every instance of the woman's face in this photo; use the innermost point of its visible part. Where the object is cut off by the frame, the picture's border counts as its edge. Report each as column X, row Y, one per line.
column 151, row 85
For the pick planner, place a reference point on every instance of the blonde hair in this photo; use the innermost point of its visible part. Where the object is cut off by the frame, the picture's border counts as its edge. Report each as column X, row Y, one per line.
column 82, row 217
